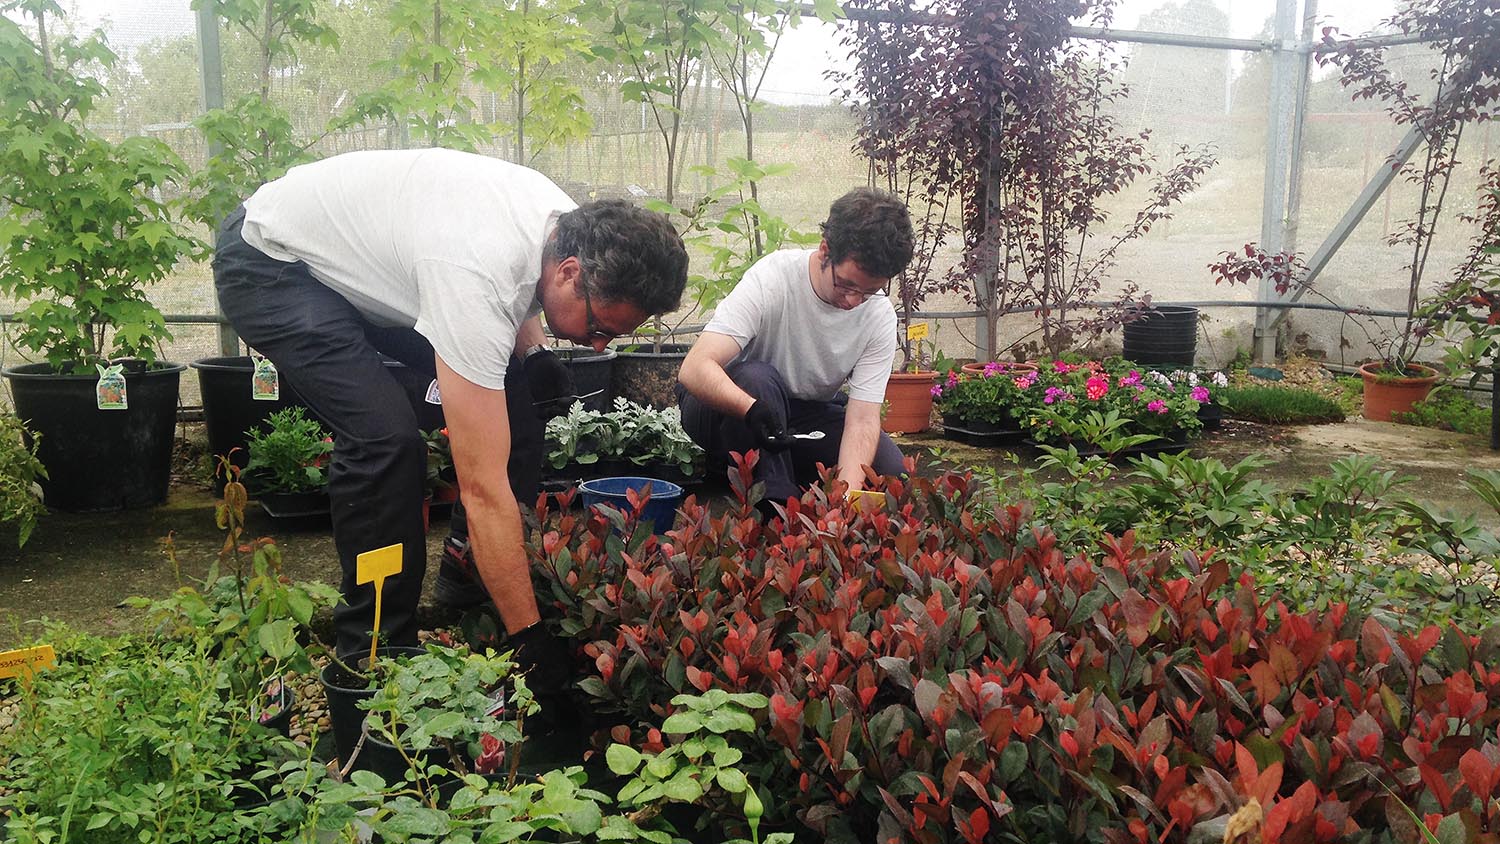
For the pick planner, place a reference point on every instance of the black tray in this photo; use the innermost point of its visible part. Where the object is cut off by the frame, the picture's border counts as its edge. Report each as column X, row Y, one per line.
column 982, row 438
column 1151, row 449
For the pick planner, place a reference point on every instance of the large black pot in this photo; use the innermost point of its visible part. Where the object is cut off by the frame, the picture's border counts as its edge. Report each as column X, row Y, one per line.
column 648, row 376
column 230, row 410
column 100, row 459
column 1163, row 334
column 592, row 372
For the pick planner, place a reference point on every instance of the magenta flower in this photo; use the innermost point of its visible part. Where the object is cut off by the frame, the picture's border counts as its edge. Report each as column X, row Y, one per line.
column 991, row 368
column 1059, row 366
column 1096, row 388
column 1200, row 395
column 1056, row 394
column 1130, row 380
column 952, row 378
column 1157, row 406
column 937, row 390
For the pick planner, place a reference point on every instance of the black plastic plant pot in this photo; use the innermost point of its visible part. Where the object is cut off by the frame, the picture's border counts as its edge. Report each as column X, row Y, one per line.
column 96, row 459
column 275, row 707
column 230, row 409
column 345, row 690
column 380, row 757
column 295, row 506
column 647, row 375
column 592, row 373
column 1164, row 334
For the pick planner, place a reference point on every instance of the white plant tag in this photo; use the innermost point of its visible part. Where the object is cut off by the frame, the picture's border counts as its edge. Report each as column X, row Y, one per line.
column 109, row 393
column 265, row 383
column 433, row 395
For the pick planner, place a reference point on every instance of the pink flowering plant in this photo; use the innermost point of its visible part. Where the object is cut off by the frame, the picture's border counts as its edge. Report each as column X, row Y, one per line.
column 1152, row 403
column 995, row 396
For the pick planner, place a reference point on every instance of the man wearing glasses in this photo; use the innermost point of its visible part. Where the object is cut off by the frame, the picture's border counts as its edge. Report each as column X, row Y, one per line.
column 799, row 327
column 445, row 261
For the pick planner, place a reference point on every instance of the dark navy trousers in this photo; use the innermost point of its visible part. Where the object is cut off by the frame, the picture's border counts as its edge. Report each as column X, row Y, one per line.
column 326, row 350
column 782, row 472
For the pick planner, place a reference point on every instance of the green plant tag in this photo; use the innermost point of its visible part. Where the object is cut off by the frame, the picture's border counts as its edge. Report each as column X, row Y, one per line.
column 265, row 382
column 109, row 393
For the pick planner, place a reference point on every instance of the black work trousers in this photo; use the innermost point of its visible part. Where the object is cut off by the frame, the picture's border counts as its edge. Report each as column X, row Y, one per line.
column 332, row 356
column 783, row 472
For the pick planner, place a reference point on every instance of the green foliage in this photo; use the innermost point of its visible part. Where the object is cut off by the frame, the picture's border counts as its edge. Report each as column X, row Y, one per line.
column 1448, row 410
column 83, row 230
column 254, row 136
column 994, row 396
column 288, row 453
column 130, row 740
column 1278, row 405
column 730, row 225
column 20, row 471
column 640, row 435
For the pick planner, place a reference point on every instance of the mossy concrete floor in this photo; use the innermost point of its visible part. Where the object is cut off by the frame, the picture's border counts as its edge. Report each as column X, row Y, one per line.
column 77, row 568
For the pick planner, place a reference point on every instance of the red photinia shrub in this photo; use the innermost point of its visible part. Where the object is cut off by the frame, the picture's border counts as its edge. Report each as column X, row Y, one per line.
column 938, row 677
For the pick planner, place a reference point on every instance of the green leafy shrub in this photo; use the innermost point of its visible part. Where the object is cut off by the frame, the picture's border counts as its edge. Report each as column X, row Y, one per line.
column 1278, row 405
column 288, row 453
column 935, row 677
column 1447, row 410
column 20, row 493
column 82, row 233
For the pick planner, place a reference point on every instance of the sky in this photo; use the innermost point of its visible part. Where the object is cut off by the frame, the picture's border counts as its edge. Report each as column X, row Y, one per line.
column 805, row 54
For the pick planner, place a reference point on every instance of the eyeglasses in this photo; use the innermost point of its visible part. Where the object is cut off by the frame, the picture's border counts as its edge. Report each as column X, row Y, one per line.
column 847, row 288
column 595, row 332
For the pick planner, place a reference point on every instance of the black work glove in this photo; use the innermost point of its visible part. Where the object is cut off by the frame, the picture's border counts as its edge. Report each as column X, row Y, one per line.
column 770, row 434
column 547, row 664
column 550, row 382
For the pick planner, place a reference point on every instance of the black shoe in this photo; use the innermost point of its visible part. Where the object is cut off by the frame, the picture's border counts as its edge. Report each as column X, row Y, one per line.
column 458, row 585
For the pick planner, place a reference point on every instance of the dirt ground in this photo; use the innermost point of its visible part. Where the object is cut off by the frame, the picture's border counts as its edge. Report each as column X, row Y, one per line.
column 77, row 568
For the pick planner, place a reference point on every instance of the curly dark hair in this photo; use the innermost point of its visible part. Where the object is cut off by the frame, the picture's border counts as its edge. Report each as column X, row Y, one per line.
column 873, row 228
column 628, row 254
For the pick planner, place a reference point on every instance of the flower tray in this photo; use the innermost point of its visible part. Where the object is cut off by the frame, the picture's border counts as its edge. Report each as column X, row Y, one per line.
column 295, row 506
column 985, row 436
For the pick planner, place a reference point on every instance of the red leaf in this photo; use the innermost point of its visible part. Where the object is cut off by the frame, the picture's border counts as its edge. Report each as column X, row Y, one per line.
column 1480, row 774
column 1289, row 811
column 1437, row 785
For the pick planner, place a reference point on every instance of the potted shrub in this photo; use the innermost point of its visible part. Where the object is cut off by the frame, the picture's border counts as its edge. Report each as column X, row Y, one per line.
column 20, row 476
column 1460, row 39
column 288, row 467
column 629, row 440
column 233, row 404
column 593, row 374
column 983, row 404
column 81, row 236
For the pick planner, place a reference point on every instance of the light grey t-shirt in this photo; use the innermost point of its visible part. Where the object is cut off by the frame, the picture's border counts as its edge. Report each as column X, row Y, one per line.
column 446, row 242
column 776, row 317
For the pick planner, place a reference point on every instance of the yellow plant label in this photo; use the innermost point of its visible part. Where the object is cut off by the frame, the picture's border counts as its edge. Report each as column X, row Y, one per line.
column 26, row 661
column 377, row 565
column 864, row 500
column 374, row 567
column 917, row 331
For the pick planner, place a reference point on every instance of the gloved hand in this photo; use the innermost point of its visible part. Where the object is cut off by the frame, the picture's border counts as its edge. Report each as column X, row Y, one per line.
column 547, row 664
column 768, row 431
column 551, row 383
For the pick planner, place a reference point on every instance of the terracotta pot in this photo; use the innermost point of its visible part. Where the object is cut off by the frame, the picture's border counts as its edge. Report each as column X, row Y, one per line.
column 1385, row 395
column 1009, row 368
column 909, row 397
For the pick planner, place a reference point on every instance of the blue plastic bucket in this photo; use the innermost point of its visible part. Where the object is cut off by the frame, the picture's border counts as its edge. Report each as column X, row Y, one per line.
column 661, row 510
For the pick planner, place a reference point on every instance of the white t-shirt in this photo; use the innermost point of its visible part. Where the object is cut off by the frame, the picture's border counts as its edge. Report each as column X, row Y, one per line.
column 446, row 242
column 776, row 317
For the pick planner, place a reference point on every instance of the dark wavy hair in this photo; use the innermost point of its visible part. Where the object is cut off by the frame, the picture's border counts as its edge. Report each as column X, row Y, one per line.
column 873, row 228
column 628, row 254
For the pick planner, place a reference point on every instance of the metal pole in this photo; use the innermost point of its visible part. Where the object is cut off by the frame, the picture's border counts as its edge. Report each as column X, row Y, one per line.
column 1299, row 128
column 211, row 67
column 1279, row 130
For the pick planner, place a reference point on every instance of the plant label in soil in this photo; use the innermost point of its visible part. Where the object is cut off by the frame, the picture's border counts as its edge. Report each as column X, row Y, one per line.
column 917, row 331
column 374, row 567
column 26, row 661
